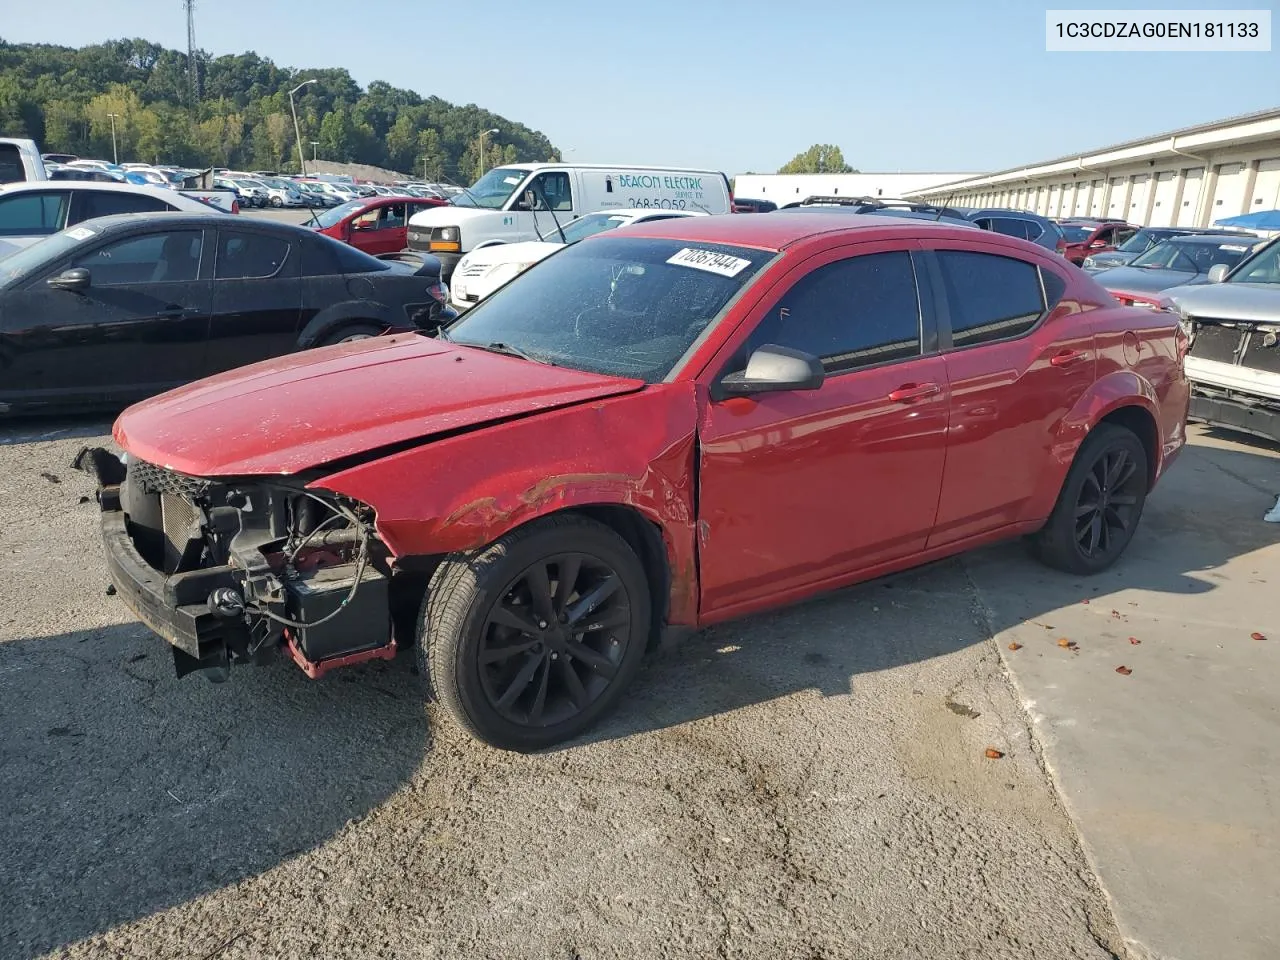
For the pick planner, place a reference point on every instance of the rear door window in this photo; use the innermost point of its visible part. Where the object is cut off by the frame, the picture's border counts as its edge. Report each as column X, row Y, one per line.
column 105, row 203
column 990, row 297
column 35, row 214
column 250, row 256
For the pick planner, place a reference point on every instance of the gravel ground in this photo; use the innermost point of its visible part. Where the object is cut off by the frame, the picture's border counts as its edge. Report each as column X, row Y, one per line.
column 810, row 784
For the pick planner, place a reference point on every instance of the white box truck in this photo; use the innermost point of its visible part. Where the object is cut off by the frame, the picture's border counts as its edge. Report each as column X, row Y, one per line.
column 531, row 201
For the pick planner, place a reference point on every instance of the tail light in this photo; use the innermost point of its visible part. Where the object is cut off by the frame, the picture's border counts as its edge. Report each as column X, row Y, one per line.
column 1183, row 341
column 1062, row 244
column 235, row 205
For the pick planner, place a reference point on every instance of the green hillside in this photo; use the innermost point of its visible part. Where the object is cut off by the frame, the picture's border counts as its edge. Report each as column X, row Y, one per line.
column 63, row 98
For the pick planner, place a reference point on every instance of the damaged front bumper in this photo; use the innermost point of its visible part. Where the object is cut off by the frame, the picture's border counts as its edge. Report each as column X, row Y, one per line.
column 217, row 570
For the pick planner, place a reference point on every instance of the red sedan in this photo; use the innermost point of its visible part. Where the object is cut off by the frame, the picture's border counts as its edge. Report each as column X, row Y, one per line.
column 375, row 225
column 650, row 431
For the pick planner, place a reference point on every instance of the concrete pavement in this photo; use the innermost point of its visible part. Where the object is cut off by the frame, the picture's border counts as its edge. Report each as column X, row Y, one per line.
column 1172, row 772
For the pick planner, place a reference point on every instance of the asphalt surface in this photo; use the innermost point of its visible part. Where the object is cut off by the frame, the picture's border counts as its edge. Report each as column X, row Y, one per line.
column 809, row 784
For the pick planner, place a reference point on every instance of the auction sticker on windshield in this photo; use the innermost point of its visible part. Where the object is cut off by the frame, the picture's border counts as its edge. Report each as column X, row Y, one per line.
column 709, row 260
column 80, row 233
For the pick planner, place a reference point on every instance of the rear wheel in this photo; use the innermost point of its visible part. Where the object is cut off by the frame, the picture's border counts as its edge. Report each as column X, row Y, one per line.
column 277, row 202
column 1100, row 503
column 535, row 638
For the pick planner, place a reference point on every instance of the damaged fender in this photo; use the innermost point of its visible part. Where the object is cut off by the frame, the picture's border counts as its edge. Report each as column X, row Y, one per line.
column 462, row 492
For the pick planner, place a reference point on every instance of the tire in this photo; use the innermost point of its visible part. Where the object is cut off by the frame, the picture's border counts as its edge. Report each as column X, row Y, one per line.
column 277, row 202
column 1099, row 506
column 553, row 683
column 351, row 332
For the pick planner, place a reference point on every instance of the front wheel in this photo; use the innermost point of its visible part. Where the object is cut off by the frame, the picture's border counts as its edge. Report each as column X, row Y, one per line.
column 532, row 640
column 1100, row 503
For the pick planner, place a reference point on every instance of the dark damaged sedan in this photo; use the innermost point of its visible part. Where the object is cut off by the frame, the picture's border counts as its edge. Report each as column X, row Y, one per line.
column 117, row 309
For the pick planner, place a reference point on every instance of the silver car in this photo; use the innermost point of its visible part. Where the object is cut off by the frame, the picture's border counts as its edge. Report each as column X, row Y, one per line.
column 1234, row 358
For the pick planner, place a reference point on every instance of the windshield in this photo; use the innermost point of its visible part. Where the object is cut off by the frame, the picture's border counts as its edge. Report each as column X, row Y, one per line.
column 28, row 260
column 627, row 307
column 279, row 184
column 588, row 226
column 1140, row 241
column 1076, row 234
column 335, row 215
column 493, row 189
column 1263, row 268
column 1189, row 256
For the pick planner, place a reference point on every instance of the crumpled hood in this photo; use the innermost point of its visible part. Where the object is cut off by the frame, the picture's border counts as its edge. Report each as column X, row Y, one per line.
column 1259, row 302
column 311, row 408
column 1144, row 280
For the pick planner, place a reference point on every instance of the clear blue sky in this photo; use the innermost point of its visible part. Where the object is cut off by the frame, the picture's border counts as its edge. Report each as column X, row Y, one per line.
column 941, row 86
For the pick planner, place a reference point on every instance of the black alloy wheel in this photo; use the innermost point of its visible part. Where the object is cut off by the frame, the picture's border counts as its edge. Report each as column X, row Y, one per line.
column 1105, row 506
column 554, row 640
column 1100, row 503
column 533, row 639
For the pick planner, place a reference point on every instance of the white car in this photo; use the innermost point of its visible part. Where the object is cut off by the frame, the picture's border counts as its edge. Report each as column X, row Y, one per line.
column 485, row 269
column 32, row 211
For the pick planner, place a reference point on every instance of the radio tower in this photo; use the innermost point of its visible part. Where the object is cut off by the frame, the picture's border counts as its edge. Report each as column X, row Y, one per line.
column 193, row 69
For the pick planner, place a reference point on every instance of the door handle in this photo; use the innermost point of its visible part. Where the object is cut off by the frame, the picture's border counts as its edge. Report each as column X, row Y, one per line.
column 1066, row 358
column 913, row 391
column 173, row 310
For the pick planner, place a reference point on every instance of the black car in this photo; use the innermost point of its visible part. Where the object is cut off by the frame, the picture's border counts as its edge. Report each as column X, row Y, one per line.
column 120, row 308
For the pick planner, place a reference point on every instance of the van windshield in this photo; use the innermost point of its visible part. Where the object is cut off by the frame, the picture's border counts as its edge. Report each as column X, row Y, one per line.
column 492, row 190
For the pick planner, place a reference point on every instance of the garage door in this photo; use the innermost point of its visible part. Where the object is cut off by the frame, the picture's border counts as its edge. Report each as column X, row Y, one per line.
column 1266, row 187
column 1099, row 194
column 1189, row 206
column 1136, row 212
column 1116, row 207
column 1068, row 202
column 1162, row 212
column 1055, row 197
column 1081, row 207
column 1228, row 196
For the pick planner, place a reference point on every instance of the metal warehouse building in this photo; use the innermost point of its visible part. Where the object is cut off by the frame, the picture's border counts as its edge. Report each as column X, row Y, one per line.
column 1191, row 177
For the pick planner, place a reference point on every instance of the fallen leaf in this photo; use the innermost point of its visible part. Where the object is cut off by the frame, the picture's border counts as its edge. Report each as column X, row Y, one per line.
column 993, row 753
column 1135, row 641
column 1015, row 646
column 51, row 477
column 1123, row 671
column 1086, row 600
column 1258, row 636
column 1116, row 614
column 1064, row 642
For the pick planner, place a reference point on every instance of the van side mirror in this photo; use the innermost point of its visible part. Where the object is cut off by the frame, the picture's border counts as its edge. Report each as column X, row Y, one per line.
column 772, row 368
column 76, row 280
column 1218, row 272
column 529, row 201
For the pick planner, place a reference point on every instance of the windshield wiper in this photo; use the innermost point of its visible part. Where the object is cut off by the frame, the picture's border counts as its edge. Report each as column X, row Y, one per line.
column 505, row 348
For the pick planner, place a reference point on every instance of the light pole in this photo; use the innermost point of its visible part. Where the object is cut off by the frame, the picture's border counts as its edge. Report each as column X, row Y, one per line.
column 115, row 154
column 483, row 134
column 297, row 133
column 315, row 151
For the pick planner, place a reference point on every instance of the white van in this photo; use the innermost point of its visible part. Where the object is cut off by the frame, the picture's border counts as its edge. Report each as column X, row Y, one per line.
column 526, row 201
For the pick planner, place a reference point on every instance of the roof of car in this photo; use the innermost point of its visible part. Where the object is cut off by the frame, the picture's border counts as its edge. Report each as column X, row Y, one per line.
column 162, row 192
column 780, row 229
column 1207, row 238
column 191, row 218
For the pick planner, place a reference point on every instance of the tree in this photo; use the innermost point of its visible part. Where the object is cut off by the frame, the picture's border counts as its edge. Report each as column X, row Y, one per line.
column 65, row 98
column 820, row 158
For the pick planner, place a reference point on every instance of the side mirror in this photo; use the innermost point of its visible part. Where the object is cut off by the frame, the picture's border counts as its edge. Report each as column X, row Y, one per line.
column 1218, row 272
column 529, row 201
column 75, row 280
column 772, row 369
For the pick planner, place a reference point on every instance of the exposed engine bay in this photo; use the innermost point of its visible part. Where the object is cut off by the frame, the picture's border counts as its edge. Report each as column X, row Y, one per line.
column 252, row 567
